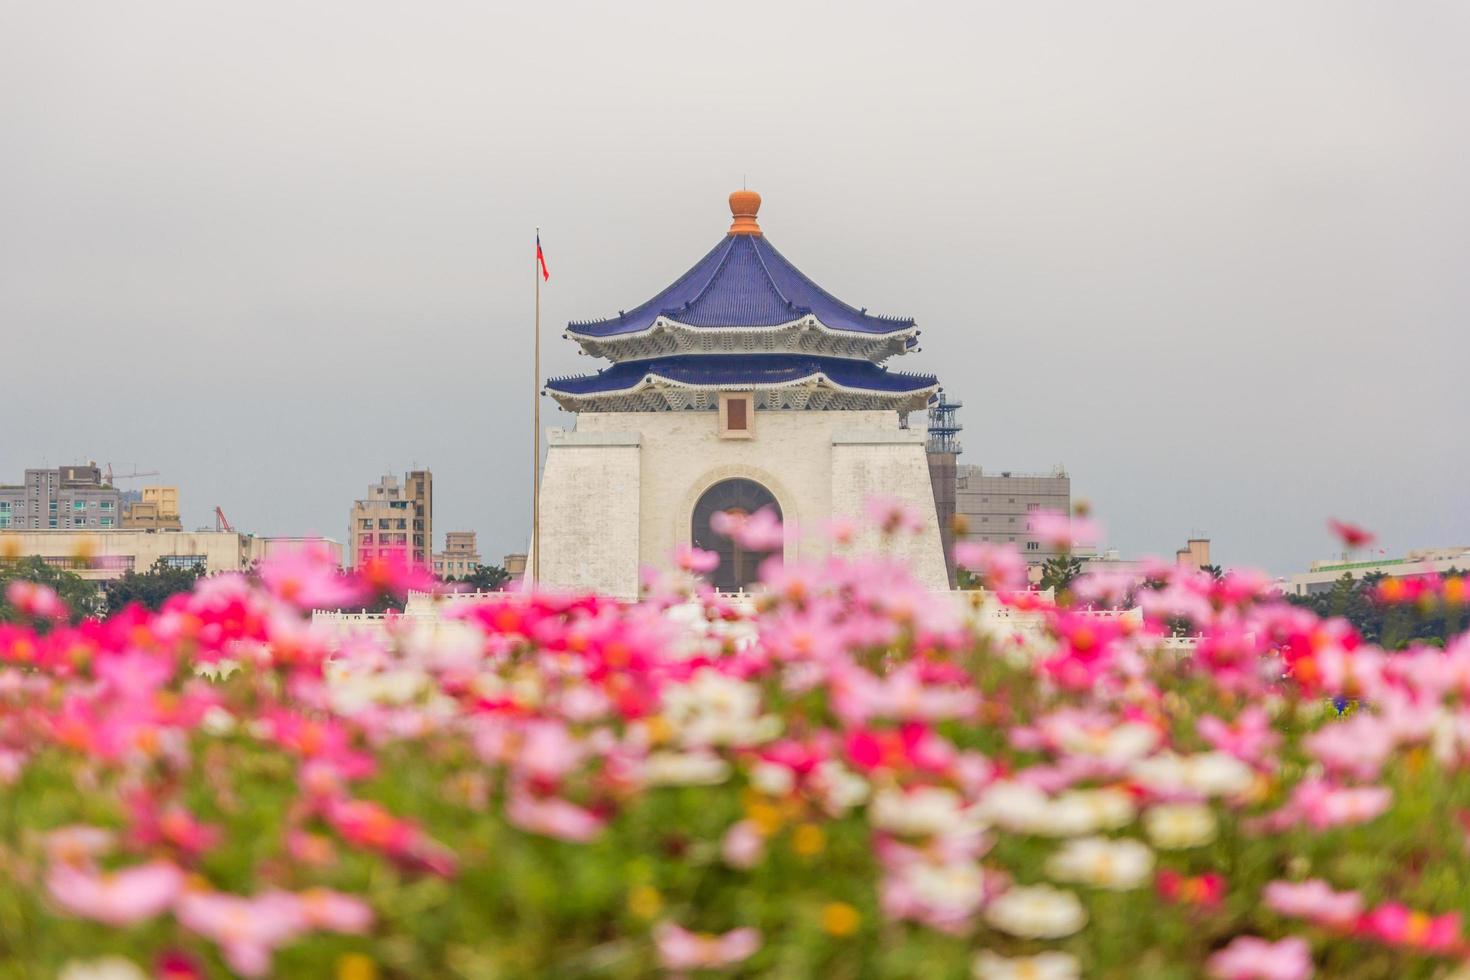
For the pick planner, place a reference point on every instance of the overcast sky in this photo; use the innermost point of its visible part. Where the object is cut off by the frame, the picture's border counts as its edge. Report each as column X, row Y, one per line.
column 1210, row 256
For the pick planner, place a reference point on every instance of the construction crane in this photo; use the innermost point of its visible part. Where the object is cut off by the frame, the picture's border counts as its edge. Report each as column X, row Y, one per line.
column 221, row 523
column 108, row 476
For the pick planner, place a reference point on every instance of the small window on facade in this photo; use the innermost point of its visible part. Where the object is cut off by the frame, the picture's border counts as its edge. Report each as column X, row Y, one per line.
column 736, row 421
column 1033, row 546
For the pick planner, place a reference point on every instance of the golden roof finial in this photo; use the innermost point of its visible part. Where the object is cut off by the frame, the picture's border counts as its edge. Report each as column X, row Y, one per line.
column 743, row 207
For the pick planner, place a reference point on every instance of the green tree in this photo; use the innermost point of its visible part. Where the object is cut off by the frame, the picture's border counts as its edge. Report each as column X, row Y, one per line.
column 486, row 578
column 81, row 596
column 1059, row 572
column 151, row 588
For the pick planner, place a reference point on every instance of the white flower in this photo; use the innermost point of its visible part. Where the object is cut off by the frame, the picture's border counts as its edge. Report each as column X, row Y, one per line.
column 953, row 887
column 926, row 811
column 1205, row 774
column 1102, row 863
column 841, row 788
column 717, row 709
column 1115, row 743
column 106, row 968
column 772, row 779
column 685, row 769
column 1025, row 809
column 1094, row 809
column 1050, row 965
column 1177, row 825
column 1036, row 912
column 1014, row 806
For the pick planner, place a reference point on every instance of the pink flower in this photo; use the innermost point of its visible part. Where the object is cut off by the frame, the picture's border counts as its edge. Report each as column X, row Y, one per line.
column 1061, row 531
column 893, row 516
column 1401, row 926
column 680, row 949
column 552, row 817
column 999, row 567
column 116, row 898
column 322, row 908
column 308, row 578
column 1314, row 901
column 743, row 846
column 35, row 600
column 761, row 531
column 247, row 930
column 695, row 560
column 1253, row 958
column 1249, row 739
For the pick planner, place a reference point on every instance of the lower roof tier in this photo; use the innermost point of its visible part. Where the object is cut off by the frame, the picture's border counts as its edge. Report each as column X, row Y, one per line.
column 779, row 381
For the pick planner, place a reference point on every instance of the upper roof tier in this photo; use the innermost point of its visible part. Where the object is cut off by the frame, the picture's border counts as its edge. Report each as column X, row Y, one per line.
column 743, row 282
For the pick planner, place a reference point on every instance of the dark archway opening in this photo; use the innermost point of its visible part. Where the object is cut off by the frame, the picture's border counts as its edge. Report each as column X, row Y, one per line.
column 739, row 568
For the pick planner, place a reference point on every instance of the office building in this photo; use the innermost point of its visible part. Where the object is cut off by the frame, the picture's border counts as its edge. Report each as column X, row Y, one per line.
column 395, row 520
column 60, row 499
column 460, row 557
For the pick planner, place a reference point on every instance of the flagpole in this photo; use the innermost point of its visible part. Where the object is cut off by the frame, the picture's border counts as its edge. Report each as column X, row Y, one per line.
column 536, row 428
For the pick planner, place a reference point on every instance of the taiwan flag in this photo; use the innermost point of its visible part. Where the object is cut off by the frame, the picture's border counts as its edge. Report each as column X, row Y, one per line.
column 541, row 258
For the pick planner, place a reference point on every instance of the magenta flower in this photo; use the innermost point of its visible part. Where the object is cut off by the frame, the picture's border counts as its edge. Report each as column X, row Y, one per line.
column 1400, row 925
column 680, row 949
column 761, row 531
column 309, row 578
column 116, row 898
column 696, row 560
column 1253, row 958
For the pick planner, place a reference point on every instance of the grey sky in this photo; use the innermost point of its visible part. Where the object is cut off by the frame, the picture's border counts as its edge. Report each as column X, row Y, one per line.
column 1211, row 256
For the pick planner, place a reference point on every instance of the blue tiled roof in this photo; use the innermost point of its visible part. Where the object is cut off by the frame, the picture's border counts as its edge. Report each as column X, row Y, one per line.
column 743, row 282
column 745, row 369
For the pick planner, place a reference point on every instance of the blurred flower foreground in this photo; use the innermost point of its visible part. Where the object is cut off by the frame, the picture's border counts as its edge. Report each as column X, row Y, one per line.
column 844, row 776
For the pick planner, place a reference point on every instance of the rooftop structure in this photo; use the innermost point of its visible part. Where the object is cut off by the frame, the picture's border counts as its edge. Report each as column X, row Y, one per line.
column 460, row 557
column 153, row 509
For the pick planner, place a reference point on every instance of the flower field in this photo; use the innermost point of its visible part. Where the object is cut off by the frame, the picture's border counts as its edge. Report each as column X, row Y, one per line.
column 842, row 779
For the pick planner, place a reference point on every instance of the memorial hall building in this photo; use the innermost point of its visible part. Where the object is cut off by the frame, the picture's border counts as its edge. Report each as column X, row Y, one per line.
column 742, row 385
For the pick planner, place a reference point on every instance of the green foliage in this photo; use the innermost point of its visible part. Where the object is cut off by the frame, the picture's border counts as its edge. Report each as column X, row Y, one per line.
column 80, row 595
column 1391, row 626
column 151, row 588
column 1059, row 572
column 486, row 578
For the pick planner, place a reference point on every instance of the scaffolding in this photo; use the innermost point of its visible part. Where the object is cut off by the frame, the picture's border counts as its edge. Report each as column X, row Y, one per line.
column 944, row 428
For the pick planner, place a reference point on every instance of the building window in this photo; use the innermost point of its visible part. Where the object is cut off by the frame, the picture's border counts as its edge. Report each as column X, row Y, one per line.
column 1033, row 506
column 737, row 415
column 1033, row 545
column 402, row 524
column 105, row 505
column 52, row 523
column 79, row 522
column 4, row 506
column 105, row 522
column 78, row 505
column 366, row 523
column 365, row 539
column 384, row 523
column 181, row 561
column 4, row 520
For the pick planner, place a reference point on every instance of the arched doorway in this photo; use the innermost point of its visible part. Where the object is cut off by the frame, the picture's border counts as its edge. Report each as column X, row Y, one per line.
column 739, row 568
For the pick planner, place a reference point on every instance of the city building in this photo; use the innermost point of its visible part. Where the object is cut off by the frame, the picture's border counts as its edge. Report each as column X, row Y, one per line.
column 152, row 509
column 996, row 507
column 1323, row 575
column 106, row 554
column 60, row 499
column 742, row 386
column 395, row 520
column 460, row 557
